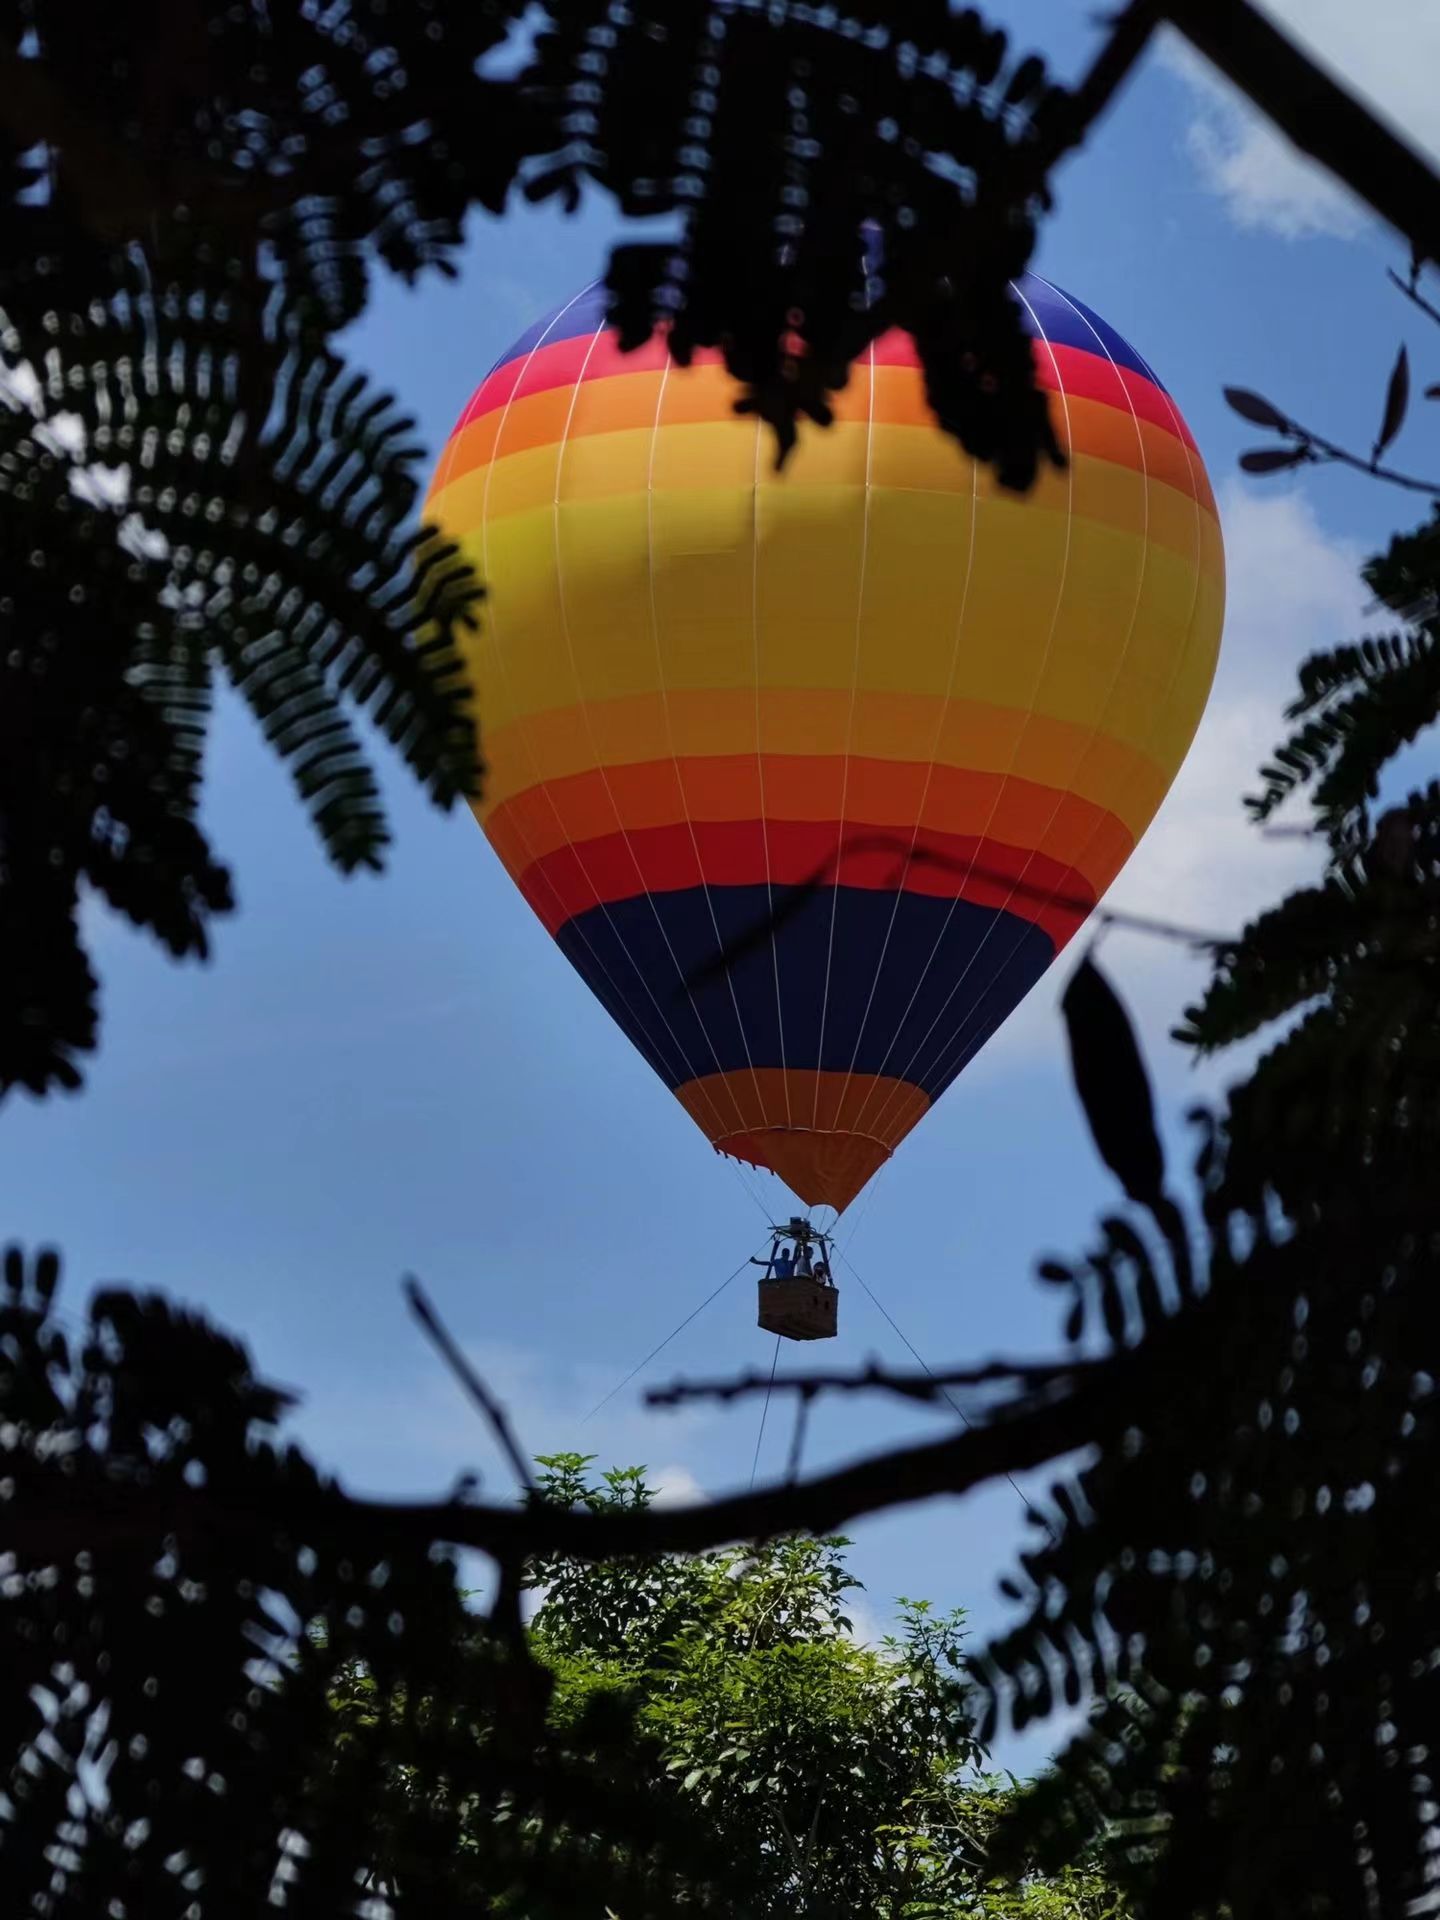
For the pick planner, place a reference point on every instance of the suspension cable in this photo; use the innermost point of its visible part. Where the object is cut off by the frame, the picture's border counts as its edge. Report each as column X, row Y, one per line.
column 694, row 1313
column 764, row 1413
column 945, row 1392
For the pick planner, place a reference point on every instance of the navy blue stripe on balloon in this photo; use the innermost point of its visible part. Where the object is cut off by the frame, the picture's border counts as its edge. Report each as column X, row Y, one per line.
column 885, row 1011
column 585, row 314
column 1068, row 322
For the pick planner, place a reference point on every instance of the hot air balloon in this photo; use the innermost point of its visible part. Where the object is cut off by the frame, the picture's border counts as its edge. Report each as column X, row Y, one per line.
column 812, row 772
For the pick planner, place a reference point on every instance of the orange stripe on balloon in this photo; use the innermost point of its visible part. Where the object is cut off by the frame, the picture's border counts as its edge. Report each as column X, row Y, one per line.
column 833, row 1102
column 797, row 787
column 826, row 1162
column 722, row 722
column 824, row 1169
column 1089, row 429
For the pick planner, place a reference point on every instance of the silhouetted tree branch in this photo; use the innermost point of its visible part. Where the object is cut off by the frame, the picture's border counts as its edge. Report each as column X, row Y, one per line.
column 1324, row 120
column 1238, row 1570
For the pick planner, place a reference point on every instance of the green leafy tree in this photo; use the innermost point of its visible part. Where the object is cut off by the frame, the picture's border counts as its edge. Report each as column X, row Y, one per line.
column 710, row 1738
column 836, row 1779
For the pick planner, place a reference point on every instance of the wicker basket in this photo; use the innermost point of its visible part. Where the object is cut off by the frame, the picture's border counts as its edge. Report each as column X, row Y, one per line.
column 800, row 1309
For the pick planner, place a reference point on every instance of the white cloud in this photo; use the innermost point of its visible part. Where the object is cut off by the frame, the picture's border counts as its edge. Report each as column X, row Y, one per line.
column 1387, row 53
column 867, row 1629
column 676, row 1486
column 1291, row 589
column 1266, row 185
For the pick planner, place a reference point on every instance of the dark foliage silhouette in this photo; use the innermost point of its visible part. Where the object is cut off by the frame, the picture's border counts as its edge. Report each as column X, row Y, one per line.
column 1344, row 1108
column 169, row 1739
column 1235, row 1568
column 194, row 199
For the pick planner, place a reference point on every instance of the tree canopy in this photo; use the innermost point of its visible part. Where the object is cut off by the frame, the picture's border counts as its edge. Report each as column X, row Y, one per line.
column 795, row 1770
column 1236, row 1572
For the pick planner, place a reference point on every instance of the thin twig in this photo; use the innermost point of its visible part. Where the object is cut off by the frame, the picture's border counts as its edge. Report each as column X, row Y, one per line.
column 871, row 1379
column 110, row 1517
column 1164, row 929
column 470, row 1381
column 1315, row 444
column 1413, row 294
column 907, row 855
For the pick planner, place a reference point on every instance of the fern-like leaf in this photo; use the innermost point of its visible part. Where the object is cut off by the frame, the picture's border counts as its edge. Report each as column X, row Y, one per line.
column 286, row 538
column 190, row 484
column 1246, row 1554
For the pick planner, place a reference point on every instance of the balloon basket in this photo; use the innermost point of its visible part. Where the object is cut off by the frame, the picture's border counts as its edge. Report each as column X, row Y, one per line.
column 799, row 1309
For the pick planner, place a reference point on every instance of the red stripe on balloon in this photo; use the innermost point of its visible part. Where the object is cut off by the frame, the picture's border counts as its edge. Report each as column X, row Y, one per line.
column 785, row 853
column 1082, row 375
column 565, row 362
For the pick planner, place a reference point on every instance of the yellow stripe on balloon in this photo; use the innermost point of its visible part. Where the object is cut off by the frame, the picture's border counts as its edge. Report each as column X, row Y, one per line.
column 600, row 626
column 699, row 676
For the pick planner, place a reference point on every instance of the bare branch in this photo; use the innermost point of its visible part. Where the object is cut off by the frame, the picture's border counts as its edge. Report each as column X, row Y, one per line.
column 1129, row 36
column 1317, row 114
column 112, row 1519
column 1310, row 448
column 470, row 1382
column 1164, row 929
column 908, row 854
column 871, row 1379
column 1412, row 293
column 1340, row 456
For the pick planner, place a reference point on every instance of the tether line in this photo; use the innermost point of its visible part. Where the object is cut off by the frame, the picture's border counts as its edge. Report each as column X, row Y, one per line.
column 764, row 1412
column 925, row 1367
column 694, row 1313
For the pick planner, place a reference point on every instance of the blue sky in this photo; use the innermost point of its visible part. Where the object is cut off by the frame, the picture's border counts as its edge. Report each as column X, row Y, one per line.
column 375, row 1077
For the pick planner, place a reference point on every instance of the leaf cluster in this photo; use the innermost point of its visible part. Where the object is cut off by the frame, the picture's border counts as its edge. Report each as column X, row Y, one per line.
column 1237, row 1571
column 195, row 197
column 240, row 1694
column 165, row 1713
column 835, row 1778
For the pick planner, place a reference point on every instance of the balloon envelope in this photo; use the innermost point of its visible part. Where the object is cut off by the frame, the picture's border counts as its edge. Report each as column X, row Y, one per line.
column 878, row 730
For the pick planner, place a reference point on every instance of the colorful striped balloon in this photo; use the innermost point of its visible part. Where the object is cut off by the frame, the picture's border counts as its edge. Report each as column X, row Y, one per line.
column 910, row 723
